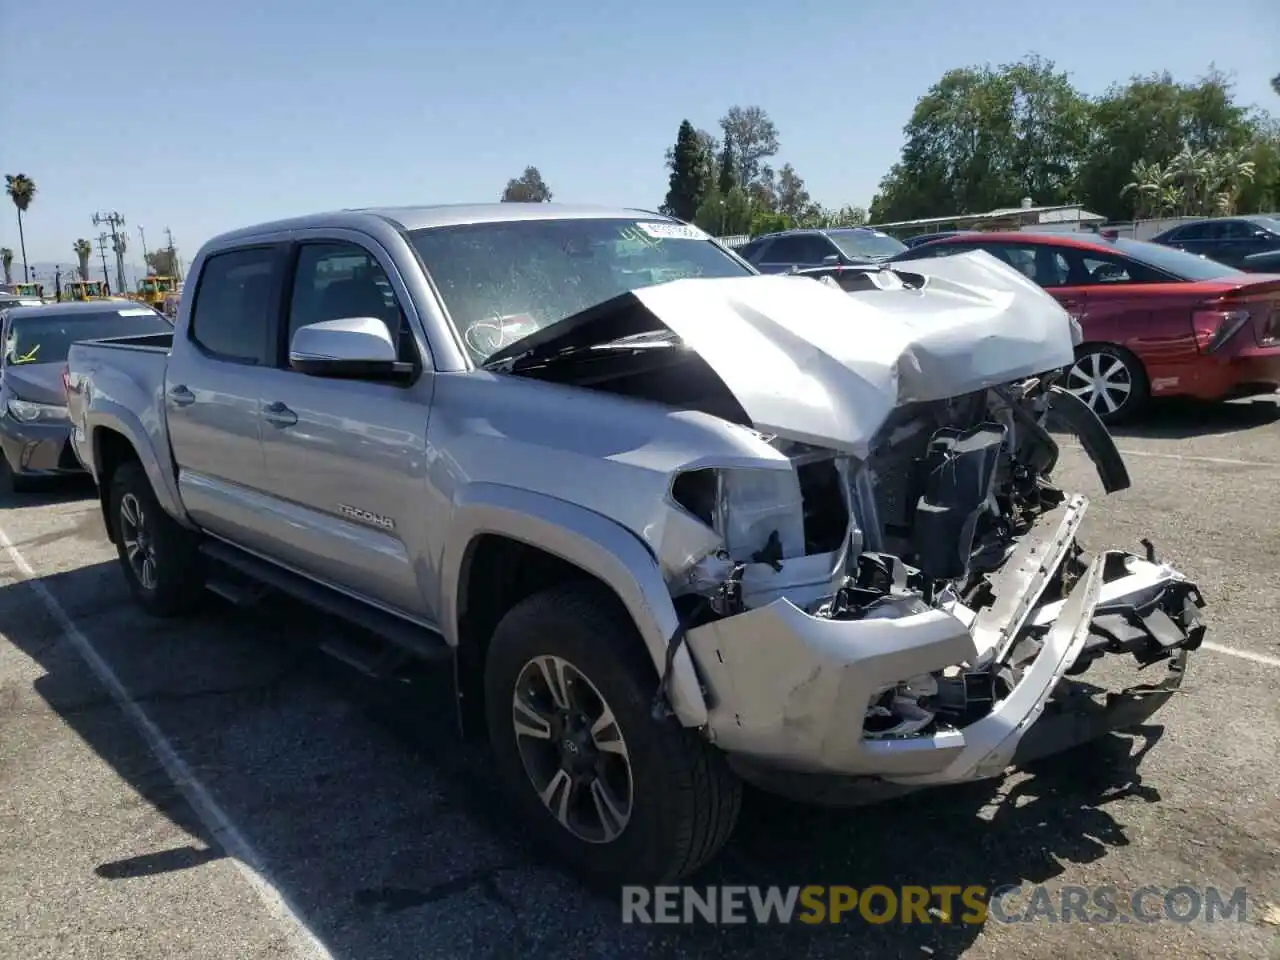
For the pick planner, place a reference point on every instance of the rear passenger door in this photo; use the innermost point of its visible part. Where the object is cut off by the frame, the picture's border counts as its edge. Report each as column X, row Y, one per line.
column 211, row 398
column 346, row 459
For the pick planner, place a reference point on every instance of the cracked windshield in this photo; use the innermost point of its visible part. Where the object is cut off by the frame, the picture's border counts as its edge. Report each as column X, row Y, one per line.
column 652, row 481
column 501, row 282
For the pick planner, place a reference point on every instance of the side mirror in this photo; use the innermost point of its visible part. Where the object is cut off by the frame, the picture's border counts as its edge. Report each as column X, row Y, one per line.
column 831, row 260
column 351, row 348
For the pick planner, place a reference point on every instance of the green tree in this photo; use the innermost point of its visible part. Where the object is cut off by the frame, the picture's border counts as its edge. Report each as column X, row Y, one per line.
column 690, row 164
column 163, row 262
column 529, row 187
column 754, row 139
column 1155, row 119
column 1262, row 193
column 726, row 168
column 984, row 138
column 793, row 200
column 21, row 190
column 725, row 214
column 6, row 261
column 83, row 251
column 820, row 217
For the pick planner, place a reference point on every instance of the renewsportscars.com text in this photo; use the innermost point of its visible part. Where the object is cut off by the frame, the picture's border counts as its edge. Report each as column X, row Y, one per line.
column 945, row 904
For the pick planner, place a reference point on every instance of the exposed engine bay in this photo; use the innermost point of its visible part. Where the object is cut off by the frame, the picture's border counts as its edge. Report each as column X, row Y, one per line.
column 891, row 585
column 948, row 492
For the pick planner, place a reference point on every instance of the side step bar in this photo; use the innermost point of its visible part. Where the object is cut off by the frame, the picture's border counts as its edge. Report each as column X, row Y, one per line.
column 408, row 641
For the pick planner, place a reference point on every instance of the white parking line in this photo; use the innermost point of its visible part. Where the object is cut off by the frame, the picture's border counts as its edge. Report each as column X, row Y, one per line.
column 304, row 943
column 1188, row 458
column 1242, row 654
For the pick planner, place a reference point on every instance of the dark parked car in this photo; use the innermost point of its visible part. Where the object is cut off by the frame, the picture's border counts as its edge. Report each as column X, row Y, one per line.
column 1156, row 321
column 34, row 430
column 801, row 249
column 1248, row 243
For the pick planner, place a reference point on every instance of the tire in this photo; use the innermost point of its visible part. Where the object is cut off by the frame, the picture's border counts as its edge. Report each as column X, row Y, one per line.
column 175, row 586
column 1122, row 387
column 684, row 800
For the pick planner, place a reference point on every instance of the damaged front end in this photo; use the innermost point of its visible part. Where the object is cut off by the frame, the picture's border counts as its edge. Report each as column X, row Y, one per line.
column 914, row 617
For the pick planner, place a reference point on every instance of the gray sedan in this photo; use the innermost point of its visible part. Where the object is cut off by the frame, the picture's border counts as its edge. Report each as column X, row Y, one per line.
column 34, row 430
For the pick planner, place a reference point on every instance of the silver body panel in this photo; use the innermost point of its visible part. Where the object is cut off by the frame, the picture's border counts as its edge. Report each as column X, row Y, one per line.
column 378, row 490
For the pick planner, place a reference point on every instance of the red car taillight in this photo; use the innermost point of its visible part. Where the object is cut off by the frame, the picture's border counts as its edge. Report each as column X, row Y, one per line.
column 1213, row 327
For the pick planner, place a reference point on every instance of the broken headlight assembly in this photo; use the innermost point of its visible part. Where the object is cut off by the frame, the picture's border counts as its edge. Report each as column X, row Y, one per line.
column 771, row 514
column 759, row 513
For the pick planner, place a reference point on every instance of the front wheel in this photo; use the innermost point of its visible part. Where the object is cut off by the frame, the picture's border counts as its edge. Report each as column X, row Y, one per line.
column 1110, row 380
column 161, row 558
column 618, row 795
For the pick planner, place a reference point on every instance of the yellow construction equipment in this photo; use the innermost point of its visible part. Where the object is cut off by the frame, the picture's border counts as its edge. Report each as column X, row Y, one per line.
column 29, row 290
column 153, row 288
column 85, row 290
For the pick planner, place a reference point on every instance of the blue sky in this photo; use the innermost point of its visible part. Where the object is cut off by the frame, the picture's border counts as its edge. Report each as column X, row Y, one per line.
column 206, row 117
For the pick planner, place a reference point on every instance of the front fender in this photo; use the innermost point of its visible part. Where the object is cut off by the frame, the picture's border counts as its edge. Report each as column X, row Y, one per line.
column 147, row 442
column 589, row 541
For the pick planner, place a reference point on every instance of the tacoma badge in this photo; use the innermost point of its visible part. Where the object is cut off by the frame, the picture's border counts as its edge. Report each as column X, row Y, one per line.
column 364, row 516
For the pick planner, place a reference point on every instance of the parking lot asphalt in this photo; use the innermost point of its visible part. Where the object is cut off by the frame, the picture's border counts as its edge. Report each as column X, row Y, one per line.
column 217, row 788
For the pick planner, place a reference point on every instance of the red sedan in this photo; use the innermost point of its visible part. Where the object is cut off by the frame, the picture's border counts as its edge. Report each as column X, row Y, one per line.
column 1156, row 321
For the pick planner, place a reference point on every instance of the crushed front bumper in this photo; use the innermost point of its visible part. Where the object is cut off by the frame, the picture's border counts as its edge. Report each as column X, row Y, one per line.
column 789, row 691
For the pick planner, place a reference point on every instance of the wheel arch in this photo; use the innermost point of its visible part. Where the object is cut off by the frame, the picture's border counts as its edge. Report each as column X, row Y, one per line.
column 495, row 527
column 116, row 436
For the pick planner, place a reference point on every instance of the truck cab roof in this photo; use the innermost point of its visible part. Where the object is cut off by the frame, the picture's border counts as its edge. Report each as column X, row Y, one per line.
column 407, row 218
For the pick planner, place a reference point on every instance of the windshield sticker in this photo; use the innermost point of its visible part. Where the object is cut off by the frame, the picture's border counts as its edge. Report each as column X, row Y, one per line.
column 136, row 313
column 672, row 231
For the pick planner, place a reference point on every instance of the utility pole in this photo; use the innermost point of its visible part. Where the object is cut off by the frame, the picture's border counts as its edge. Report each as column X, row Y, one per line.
column 142, row 233
column 114, row 221
column 173, row 255
column 102, row 249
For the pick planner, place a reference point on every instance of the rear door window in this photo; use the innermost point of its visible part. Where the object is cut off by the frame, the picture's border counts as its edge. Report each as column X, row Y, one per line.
column 236, row 305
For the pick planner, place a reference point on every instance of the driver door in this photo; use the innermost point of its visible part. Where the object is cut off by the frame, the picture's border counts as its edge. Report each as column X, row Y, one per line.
column 346, row 459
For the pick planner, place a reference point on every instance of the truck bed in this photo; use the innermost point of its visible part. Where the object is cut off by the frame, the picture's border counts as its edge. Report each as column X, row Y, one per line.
column 151, row 342
column 118, row 381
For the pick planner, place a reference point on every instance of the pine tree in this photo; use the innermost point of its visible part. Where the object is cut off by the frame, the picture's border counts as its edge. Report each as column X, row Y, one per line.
column 690, row 174
column 728, row 168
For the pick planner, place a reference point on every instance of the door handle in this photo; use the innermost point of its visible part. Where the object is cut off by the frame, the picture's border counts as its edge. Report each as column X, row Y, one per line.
column 181, row 396
column 279, row 415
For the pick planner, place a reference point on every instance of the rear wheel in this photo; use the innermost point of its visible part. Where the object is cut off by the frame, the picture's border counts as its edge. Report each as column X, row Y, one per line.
column 1110, row 380
column 161, row 558
column 620, row 796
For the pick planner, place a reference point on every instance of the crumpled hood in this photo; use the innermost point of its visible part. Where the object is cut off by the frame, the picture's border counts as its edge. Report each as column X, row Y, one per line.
column 813, row 363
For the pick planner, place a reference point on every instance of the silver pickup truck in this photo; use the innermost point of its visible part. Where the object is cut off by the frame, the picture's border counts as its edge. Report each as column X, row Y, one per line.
column 676, row 525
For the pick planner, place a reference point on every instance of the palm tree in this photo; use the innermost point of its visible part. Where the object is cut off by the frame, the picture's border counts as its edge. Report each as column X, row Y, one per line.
column 6, row 261
column 21, row 190
column 1225, row 174
column 83, row 250
column 1191, row 171
column 1150, row 183
column 1171, row 198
